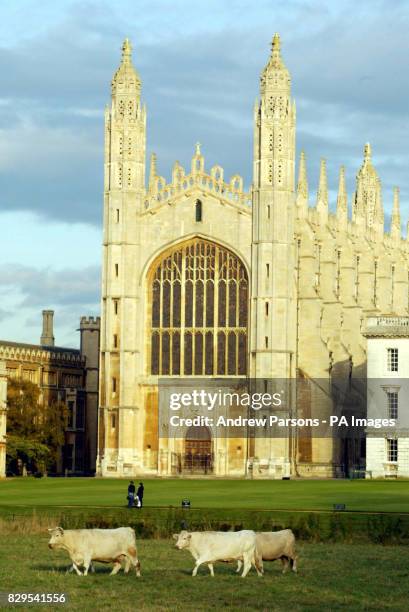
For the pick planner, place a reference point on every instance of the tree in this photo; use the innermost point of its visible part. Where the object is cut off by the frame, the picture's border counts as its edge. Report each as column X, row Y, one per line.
column 35, row 428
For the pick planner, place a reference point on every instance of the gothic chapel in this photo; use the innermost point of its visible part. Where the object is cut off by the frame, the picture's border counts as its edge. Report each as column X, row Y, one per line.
column 202, row 279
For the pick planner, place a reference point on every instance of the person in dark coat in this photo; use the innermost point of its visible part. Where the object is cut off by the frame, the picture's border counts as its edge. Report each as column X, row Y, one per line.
column 139, row 493
column 131, row 494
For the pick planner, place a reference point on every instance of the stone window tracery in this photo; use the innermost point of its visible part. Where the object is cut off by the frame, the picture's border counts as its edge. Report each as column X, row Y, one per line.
column 199, row 309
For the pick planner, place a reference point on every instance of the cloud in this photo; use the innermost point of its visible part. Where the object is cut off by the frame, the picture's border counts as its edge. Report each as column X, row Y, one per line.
column 200, row 77
column 46, row 287
column 4, row 314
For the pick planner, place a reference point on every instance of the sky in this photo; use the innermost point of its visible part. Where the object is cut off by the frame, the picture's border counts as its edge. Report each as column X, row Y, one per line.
column 200, row 65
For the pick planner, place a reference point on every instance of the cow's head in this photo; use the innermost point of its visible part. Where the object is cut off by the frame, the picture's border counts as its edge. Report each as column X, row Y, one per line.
column 182, row 539
column 56, row 537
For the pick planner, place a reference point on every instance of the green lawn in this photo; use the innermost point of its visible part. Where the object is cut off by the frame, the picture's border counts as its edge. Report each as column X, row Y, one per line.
column 331, row 577
column 363, row 495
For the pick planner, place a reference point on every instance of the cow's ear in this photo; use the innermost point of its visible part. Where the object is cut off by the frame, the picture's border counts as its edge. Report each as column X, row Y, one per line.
column 189, row 536
column 175, row 536
column 60, row 530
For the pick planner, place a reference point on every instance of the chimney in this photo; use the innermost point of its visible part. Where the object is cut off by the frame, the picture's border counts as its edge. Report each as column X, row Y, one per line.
column 47, row 337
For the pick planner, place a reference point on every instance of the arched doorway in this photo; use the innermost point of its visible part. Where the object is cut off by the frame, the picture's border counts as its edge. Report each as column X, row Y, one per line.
column 198, row 456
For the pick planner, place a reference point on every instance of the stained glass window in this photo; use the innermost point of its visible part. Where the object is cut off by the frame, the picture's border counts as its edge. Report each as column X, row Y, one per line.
column 199, row 297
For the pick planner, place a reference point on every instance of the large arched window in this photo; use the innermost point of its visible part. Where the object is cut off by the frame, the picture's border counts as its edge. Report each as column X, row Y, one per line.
column 199, row 304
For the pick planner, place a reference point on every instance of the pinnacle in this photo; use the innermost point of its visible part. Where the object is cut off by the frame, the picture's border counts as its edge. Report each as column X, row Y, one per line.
column 276, row 43
column 367, row 151
column 126, row 50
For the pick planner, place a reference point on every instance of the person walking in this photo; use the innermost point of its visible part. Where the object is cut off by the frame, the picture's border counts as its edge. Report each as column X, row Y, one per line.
column 131, row 494
column 139, row 493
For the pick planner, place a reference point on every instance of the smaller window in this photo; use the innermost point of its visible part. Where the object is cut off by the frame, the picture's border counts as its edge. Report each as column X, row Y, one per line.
column 268, row 270
column 117, row 270
column 268, row 211
column 113, row 384
column 113, row 421
column 116, row 307
column 392, row 450
column 392, row 404
column 115, row 341
column 117, row 215
column 198, row 210
column 266, row 305
column 392, row 363
column 266, row 341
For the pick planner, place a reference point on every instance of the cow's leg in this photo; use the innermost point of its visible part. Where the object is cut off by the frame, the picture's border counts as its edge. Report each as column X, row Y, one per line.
column 258, row 564
column 76, row 563
column 284, row 562
column 116, row 568
column 239, row 564
column 199, row 562
column 294, row 563
column 86, row 563
column 132, row 557
column 127, row 565
column 247, row 558
column 77, row 569
column 210, row 566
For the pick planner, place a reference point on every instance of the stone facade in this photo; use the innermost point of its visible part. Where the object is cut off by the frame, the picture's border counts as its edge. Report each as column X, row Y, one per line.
column 3, row 418
column 306, row 279
column 67, row 375
column 387, row 448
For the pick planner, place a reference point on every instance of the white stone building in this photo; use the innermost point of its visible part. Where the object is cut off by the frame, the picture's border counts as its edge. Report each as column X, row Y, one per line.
column 387, row 448
column 203, row 278
column 3, row 418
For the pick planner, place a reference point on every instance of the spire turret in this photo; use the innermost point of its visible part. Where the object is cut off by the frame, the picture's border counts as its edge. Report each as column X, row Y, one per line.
column 197, row 160
column 396, row 220
column 126, row 79
column 302, row 185
column 368, row 207
column 322, row 194
column 342, row 199
column 275, row 75
column 152, row 172
column 342, row 191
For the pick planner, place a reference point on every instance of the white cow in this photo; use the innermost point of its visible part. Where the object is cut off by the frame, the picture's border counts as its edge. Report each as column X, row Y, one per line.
column 103, row 545
column 272, row 545
column 210, row 546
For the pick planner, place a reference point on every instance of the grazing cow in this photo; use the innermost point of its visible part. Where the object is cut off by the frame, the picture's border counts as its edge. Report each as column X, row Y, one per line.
column 103, row 545
column 210, row 546
column 272, row 545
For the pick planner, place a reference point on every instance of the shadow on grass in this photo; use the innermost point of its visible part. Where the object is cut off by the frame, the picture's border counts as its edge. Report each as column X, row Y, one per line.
column 63, row 569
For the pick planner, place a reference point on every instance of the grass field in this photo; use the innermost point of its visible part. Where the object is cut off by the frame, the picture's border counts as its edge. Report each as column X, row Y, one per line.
column 337, row 577
column 358, row 495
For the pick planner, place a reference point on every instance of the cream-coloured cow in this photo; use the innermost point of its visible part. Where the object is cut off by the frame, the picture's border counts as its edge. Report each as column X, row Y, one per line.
column 211, row 546
column 103, row 545
column 273, row 545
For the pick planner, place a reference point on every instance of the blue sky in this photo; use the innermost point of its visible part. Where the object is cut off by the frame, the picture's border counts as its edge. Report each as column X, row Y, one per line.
column 200, row 64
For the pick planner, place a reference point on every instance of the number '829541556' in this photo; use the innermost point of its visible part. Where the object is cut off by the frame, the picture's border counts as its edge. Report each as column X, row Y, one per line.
column 33, row 598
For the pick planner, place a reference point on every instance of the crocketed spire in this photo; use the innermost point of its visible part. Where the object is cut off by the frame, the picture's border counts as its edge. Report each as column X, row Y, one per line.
column 396, row 220
column 126, row 78
column 368, row 198
column 342, row 192
column 302, row 186
column 275, row 75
